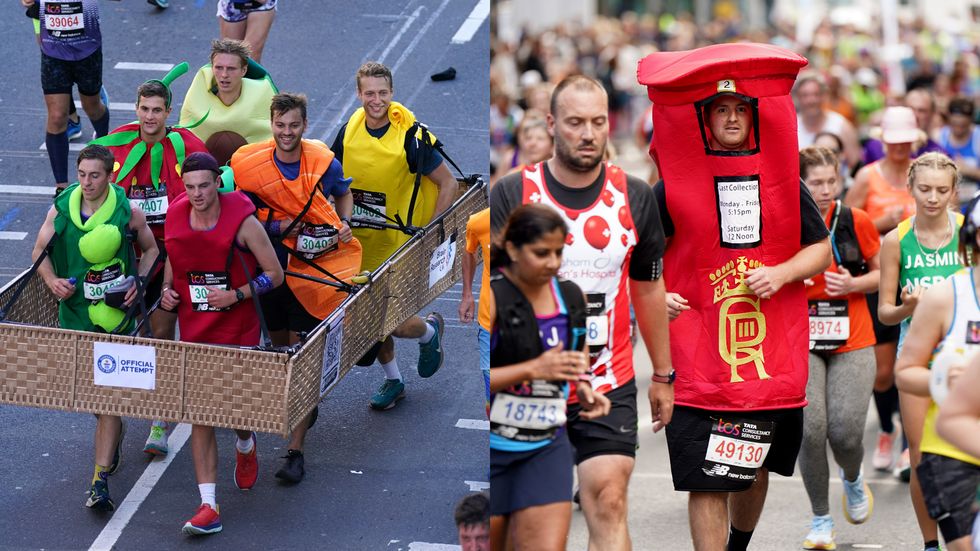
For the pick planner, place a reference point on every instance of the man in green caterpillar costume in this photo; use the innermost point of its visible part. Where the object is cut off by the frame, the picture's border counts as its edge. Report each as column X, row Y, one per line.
column 90, row 252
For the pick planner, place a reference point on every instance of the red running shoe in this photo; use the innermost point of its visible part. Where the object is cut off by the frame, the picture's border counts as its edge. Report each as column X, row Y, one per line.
column 205, row 521
column 247, row 467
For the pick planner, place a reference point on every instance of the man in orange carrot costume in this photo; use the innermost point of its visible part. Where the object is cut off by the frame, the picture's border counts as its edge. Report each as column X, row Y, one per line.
column 289, row 180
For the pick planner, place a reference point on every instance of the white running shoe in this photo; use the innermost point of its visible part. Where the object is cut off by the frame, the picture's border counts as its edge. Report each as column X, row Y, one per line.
column 821, row 534
column 857, row 500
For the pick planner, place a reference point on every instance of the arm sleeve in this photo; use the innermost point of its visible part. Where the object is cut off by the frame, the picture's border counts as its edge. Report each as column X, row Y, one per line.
column 472, row 239
column 338, row 144
column 432, row 161
column 812, row 226
column 504, row 197
column 333, row 181
column 867, row 234
column 665, row 220
column 646, row 261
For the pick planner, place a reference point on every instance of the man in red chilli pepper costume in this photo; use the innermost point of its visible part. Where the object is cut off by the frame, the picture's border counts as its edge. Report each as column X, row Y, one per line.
column 149, row 155
column 743, row 234
column 614, row 253
column 148, row 158
column 219, row 256
column 289, row 179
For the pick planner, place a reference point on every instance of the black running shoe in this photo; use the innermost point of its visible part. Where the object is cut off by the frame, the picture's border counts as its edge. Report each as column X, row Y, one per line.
column 292, row 470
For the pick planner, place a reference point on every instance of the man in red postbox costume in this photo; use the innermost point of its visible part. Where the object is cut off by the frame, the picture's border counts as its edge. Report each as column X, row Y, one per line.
column 743, row 235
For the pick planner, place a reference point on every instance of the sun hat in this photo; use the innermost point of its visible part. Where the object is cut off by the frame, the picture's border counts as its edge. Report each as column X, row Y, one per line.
column 898, row 126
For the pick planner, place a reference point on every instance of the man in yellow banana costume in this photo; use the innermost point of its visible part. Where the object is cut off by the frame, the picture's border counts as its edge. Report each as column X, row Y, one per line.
column 399, row 181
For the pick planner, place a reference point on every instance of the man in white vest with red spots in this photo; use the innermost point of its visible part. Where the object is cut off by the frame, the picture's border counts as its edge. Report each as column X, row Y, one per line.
column 614, row 252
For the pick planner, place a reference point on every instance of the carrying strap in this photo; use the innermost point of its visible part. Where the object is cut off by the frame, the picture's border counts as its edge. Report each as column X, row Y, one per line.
column 517, row 325
column 139, row 305
column 265, row 342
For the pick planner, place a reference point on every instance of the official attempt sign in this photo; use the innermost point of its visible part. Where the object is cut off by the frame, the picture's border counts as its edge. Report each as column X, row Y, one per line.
column 125, row 365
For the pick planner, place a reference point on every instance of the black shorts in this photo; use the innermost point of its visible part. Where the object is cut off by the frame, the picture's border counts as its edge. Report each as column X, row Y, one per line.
column 883, row 333
column 519, row 480
column 283, row 311
column 949, row 487
column 58, row 76
column 687, row 443
column 614, row 434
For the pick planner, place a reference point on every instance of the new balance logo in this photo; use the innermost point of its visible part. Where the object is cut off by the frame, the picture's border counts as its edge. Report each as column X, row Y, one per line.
column 717, row 470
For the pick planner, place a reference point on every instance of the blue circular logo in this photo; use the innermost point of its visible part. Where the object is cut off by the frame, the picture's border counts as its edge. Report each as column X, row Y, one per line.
column 106, row 363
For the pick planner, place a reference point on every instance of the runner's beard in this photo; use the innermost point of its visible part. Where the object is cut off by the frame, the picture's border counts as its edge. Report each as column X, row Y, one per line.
column 568, row 157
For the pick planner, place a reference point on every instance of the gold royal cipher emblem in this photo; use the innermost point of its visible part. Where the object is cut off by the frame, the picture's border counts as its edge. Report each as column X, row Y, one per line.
column 740, row 333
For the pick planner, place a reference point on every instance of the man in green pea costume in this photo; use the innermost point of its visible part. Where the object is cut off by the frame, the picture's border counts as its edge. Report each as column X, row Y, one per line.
column 88, row 230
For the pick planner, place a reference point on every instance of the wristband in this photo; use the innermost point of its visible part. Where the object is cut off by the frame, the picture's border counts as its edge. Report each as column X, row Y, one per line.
column 664, row 379
column 262, row 284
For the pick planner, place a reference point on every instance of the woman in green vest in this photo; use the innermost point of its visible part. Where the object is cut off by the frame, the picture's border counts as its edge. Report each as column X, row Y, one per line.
column 921, row 251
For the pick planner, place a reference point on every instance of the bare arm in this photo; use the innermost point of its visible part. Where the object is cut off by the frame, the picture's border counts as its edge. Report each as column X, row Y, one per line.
column 852, row 148
column 448, row 186
column 928, row 327
column 252, row 235
column 806, row 263
column 888, row 312
column 960, row 413
column 345, row 207
column 60, row 287
column 145, row 241
column 466, row 303
column 650, row 305
column 857, row 194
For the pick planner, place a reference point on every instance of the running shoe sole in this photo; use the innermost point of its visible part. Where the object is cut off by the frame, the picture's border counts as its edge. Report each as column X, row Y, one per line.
column 871, row 506
column 192, row 530
column 400, row 396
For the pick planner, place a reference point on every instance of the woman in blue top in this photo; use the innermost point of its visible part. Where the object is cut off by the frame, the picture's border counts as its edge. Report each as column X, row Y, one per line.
column 536, row 345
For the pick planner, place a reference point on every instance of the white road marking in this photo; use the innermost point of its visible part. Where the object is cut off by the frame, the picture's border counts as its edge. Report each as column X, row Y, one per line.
column 424, row 546
column 28, row 190
column 472, row 23
column 14, row 236
column 475, row 424
column 125, row 511
column 71, row 146
column 867, row 546
column 134, row 66
column 345, row 110
column 114, row 106
column 476, row 485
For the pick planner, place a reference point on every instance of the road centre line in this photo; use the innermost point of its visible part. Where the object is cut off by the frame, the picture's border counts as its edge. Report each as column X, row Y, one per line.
column 28, row 190
column 114, row 106
column 476, row 485
column 425, row 546
column 71, row 146
column 125, row 511
column 475, row 424
column 12, row 235
column 334, row 124
column 135, row 66
column 418, row 37
column 472, row 23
